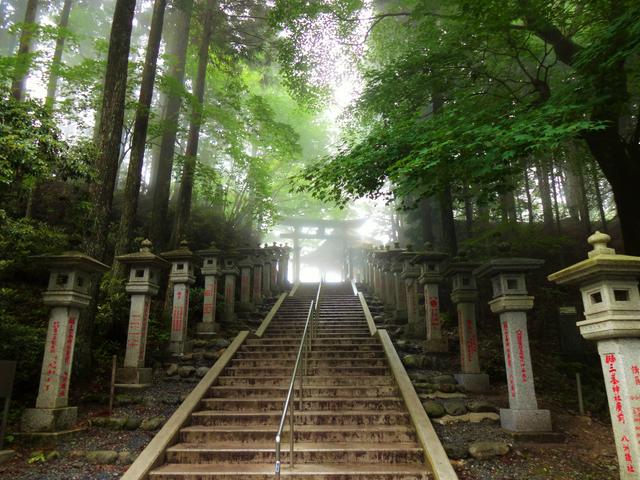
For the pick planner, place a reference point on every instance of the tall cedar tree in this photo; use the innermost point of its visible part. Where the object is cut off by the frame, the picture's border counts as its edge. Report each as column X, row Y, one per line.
column 23, row 61
column 111, row 122
column 54, row 74
column 138, row 142
column 163, row 156
column 183, row 209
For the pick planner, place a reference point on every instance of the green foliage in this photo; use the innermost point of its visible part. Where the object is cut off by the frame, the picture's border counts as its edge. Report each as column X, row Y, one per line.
column 457, row 93
column 21, row 239
column 30, row 144
column 37, row 457
column 23, row 319
column 525, row 240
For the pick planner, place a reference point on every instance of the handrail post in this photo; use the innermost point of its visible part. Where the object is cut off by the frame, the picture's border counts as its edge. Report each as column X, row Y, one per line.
column 278, row 463
column 302, row 374
column 291, row 432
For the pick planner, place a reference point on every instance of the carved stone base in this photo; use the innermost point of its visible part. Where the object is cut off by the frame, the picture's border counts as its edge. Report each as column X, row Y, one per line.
column 132, row 375
column 205, row 329
column 436, row 345
column 49, row 419
column 525, row 420
column 473, row 382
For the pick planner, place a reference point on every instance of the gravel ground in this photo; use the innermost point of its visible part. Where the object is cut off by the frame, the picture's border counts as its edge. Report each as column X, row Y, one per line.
column 585, row 450
column 160, row 401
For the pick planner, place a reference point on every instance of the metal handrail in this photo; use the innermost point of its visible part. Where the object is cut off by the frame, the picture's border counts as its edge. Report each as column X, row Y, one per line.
column 306, row 343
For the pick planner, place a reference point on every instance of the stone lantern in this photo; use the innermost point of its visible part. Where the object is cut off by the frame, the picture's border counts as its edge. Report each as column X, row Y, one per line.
column 388, row 280
column 230, row 272
column 267, row 288
column 275, row 265
column 282, row 266
column 182, row 276
column 511, row 302
column 244, row 265
column 70, row 277
column 210, row 271
column 410, row 273
column 431, row 277
column 376, row 266
column 609, row 286
column 399, row 294
column 144, row 281
column 256, row 292
column 285, row 265
column 464, row 295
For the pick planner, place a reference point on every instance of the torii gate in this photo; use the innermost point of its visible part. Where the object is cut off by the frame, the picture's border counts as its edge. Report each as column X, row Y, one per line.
column 316, row 229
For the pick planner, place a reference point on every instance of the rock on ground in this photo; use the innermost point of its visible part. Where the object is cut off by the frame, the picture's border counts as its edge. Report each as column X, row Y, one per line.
column 483, row 449
column 433, row 409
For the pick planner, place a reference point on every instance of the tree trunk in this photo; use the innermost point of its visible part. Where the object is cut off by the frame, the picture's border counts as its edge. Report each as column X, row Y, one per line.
column 183, row 208
column 426, row 214
column 468, row 210
column 138, row 143
column 556, row 206
column 598, row 192
column 8, row 40
column 621, row 167
column 54, row 74
column 23, row 60
column 508, row 207
column 527, row 191
column 163, row 161
column 545, row 193
column 111, row 122
column 449, row 238
column 576, row 194
column 109, row 136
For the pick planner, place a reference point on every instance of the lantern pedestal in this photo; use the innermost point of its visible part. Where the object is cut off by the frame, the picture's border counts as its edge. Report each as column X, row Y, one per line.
column 49, row 420
column 135, row 377
column 473, row 382
column 465, row 295
column 68, row 292
column 512, row 302
column 208, row 327
column 525, row 420
column 182, row 276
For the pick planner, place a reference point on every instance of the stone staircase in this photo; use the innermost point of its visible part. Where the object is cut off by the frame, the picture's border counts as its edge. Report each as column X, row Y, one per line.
column 354, row 424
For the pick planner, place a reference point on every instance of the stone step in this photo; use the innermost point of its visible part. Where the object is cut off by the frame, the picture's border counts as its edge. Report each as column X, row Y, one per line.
column 369, row 347
column 331, row 380
column 323, row 354
column 303, row 433
column 321, row 341
column 297, row 334
column 325, row 452
column 326, row 361
column 312, row 371
column 317, row 390
column 275, row 404
column 331, row 328
column 299, row 472
column 309, row 417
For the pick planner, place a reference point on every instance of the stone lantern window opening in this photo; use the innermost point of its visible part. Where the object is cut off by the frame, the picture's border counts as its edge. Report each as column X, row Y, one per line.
column 180, row 266
column 596, row 297
column 139, row 273
column 62, row 279
column 621, row 295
